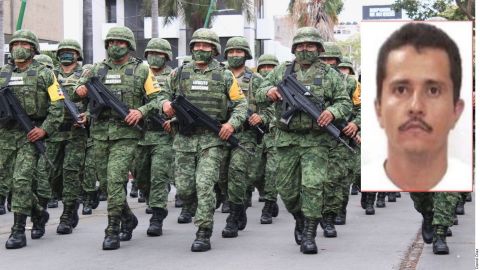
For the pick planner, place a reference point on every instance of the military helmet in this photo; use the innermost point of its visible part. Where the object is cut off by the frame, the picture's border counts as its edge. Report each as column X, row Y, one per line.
column 331, row 50
column 27, row 36
column 208, row 36
column 238, row 43
column 72, row 45
column 346, row 62
column 267, row 59
column 159, row 45
column 45, row 60
column 307, row 34
column 121, row 33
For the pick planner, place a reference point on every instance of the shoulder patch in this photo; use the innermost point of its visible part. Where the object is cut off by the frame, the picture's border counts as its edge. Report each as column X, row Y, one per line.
column 356, row 97
column 54, row 90
column 235, row 92
column 151, row 85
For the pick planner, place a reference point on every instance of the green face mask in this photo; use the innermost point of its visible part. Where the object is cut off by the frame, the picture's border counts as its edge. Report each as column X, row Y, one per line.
column 66, row 58
column 264, row 73
column 235, row 61
column 21, row 54
column 117, row 52
column 202, row 56
column 306, row 57
column 155, row 61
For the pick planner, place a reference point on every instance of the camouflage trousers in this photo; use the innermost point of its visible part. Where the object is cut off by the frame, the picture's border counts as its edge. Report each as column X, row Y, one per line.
column 302, row 178
column 112, row 160
column 6, row 171
column 442, row 204
column 270, row 188
column 256, row 169
column 90, row 175
column 65, row 179
column 153, row 170
column 196, row 173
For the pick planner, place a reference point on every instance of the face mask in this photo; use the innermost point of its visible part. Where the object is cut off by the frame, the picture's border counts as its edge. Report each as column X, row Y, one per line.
column 235, row 61
column 264, row 73
column 306, row 57
column 117, row 52
column 202, row 56
column 67, row 58
column 20, row 54
column 155, row 61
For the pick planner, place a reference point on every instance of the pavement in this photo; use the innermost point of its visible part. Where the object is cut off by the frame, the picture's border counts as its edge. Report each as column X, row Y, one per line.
column 390, row 239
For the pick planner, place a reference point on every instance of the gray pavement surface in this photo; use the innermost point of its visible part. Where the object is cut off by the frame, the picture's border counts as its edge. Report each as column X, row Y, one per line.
column 388, row 240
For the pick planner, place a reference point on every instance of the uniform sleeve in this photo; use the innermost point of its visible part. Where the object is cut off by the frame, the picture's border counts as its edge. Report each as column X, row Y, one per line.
column 264, row 109
column 239, row 102
column 152, row 90
column 341, row 107
column 168, row 90
column 273, row 79
column 86, row 75
column 48, row 82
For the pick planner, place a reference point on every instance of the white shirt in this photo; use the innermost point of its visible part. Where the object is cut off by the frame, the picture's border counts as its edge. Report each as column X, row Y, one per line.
column 457, row 178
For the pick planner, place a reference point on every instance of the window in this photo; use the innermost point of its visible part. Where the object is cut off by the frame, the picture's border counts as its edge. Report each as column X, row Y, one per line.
column 111, row 10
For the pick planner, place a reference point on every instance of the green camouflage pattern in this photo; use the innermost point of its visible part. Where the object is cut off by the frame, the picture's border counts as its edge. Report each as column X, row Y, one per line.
column 240, row 43
column 121, row 33
column 307, row 34
column 27, row 36
column 45, row 60
column 90, row 179
column 442, row 204
column 331, row 50
column 159, row 45
column 208, row 36
column 71, row 44
column 267, row 59
column 346, row 62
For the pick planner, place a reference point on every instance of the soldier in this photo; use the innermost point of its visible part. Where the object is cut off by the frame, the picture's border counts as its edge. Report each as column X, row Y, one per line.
column 45, row 60
column 38, row 92
column 303, row 145
column 114, row 139
column 154, row 156
column 241, row 166
column 208, row 85
column 266, row 63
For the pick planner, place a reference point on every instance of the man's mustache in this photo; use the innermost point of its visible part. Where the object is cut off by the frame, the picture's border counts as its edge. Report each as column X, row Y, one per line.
column 416, row 122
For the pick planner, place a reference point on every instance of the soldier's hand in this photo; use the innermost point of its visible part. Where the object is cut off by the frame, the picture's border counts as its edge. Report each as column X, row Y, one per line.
column 325, row 118
column 81, row 91
column 133, row 117
column 255, row 119
column 350, row 129
column 226, row 131
column 357, row 139
column 273, row 94
column 168, row 109
column 167, row 126
column 36, row 134
column 83, row 120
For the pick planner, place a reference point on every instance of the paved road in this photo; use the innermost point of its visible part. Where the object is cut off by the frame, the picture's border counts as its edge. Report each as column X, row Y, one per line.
column 388, row 240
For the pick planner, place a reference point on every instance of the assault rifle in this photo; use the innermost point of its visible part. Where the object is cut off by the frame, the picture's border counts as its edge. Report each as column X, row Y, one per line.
column 295, row 99
column 11, row 109
column 188, row 115
column 72, row 109
column 258, row 130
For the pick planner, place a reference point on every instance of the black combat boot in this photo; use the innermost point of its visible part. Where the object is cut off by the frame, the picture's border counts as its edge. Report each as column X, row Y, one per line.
column 231, row 228
column 370, row 198
column 66, row 219
column 185, row 215
column 261, row 196
column 87, row 206
column 439, row 240
column 308, row 245
column 267, row 210
column 134, row 190
column 427, row 228
column 112, row 240
column 75, row 217
column 52, row 203
column 17, row 238
column 226, row 207
column 275, row 209
column 455, row 219
column 363, row 200
column 341, row 218
column 148, row 210
column 102, row 196
column 9, row 202
column 141, row 197
column 391, row 197
column 449, row 232
column 460, row 209
column 178, row 201
column 299, row 225
column 329, row 230
column 468, row 198
column 156, row 221
column 381, row 199
column 39, row 218
column 398, row 195
column 3, row 211
column 354, row 190
column 242, row 217
column 202, row 241
column 129, row 223
column 248, row 202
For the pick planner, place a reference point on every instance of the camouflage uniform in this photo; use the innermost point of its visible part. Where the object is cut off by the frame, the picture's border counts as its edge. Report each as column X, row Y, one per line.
column 302, row 146
column 38, row 92
column 114, row 142
column 198, row 156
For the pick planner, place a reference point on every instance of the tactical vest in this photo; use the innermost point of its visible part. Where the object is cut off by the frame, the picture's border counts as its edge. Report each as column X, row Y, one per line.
column 24, row 86
column 315, row 83
column 206, row 91
column 68, row 85
column 246, row 84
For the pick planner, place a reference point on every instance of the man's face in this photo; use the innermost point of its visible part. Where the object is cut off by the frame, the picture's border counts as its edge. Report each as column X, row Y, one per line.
column 344, row 70
column 416, row 107
column 119, row 43
column 202, row 46
column 330, row 60
column 235, row 52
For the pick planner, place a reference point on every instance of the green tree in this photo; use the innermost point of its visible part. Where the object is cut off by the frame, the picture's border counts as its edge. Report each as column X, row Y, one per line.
column 448, row 9
column 351, row 49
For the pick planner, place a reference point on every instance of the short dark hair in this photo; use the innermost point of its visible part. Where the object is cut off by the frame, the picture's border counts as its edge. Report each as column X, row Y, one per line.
column 420, row 36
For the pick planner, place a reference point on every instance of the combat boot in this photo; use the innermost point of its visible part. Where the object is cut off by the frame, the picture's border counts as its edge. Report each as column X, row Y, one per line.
column 156, row 221
column 275, row 209
column 231, row 228
column 39, row 218
column 17, row 238
column 329, row 231
column 455, row 219
column 370, row 198
column 148, row 210
column 460, row 209
column 87, row 206
column 185, row 215
column 261, row 196
column 9, row 202
column 102, row 196
column 242, row 217
column 354, row 190
column 3, row 211
column 95, row 198
column 381, row 199
column 363, row 200
column 65, row 225
column 398, row 195
column 308, row 245
column 112, row 240
column 178, row 201
column 468, row 198
column 427, row 228
column 299, row 225
column 141, row 197
column 129, row 223
column 439, row 240
column 75, row 217
column 226, row 207
column 449, row 232
column 52, row 203
column 267, row 210
column 341, row 217
column 391, row 197
column 134, row 190
column 202, row 241
column 248, row 202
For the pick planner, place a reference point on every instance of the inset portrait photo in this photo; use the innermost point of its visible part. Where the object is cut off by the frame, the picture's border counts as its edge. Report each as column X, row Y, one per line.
column 417, row 127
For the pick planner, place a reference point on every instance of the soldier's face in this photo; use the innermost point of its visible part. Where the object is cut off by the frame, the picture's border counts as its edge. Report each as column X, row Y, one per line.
column 416, row 108
column 344, row 70
column 119, row 43
column 21, row 44
column 306, row 46
column 266, row 68
column 235, row 52
column 330, row 60
column 202, row 46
